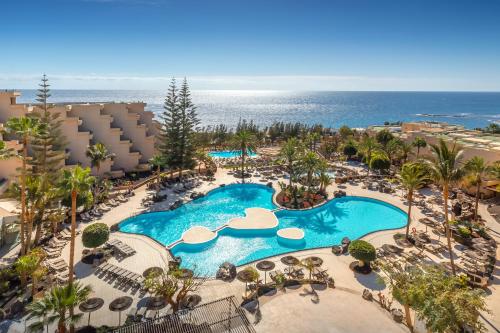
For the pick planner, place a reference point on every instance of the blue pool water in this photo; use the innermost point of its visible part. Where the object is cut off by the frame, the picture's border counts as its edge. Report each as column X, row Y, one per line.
column 323, row 226
column 229, row 153
column 211, row 211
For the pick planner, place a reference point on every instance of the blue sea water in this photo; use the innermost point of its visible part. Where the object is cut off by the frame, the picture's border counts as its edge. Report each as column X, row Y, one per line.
column 332, row 109
column 323, row 226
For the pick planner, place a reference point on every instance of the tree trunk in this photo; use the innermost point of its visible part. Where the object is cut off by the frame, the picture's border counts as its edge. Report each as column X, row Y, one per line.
column 24, row 279
column 478, row 192
column 447, row 226
column 23, row 196
column 72, row 250
column 38, row 233
column 242, row 166
column 33, row 286
column 410, row 201
column 158, row 179
column 408, row 317
column 61, row 327
column 72, row 241
column 29, row 231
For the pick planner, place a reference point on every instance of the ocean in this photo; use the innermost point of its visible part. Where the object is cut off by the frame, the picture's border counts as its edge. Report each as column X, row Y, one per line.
column 331, row 109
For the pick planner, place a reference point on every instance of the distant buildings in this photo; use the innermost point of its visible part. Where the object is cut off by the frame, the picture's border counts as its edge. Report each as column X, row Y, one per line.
column 473, row 142
column 126, row 129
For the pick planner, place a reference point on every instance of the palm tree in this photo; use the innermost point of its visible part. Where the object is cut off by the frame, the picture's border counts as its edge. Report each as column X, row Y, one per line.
column 244, row 141
column 25, row 128
column 39, row 309
column 58, row 302
column 413, row 177
column 290, row 153
column 478, row 169
column 310, row 163
column 405, row 151
column 5, row 153
column 495, row 170
column 77, row 181
column 419, row 142
column 202, row 158
column 324, row 181
column 157, row 161
column 97, row 154
column 446, row 171
column 367, row 147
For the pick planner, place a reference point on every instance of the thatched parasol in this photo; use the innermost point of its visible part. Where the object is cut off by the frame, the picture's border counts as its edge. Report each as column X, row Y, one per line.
column 91, row 305
column 156, row 303
column 392, row 248
column 290, row 261
column 191, row 301
column 120, row 304
column 265, row 266
column 154, row 271
column 245, row 276
column 315, row 261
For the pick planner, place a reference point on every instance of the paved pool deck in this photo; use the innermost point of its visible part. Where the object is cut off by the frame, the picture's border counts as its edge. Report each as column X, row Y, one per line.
column 330, row 310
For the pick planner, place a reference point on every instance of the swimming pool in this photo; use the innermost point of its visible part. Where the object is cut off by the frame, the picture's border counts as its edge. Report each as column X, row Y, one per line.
column 323, row 226
column 229, row 153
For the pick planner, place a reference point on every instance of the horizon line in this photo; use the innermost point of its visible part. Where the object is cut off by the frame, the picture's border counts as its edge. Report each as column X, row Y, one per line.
column 264, row 90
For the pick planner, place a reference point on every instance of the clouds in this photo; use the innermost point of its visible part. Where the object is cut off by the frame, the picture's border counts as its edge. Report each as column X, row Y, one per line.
column 256, row 82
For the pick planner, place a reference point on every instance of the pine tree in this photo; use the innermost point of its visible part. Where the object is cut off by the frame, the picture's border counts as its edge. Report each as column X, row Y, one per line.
column 170, row 130
column 48, row 150
column 177, row 141
column 189, row 121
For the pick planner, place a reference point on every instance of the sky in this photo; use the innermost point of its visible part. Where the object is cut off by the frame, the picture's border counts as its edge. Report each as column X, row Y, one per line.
column 429, row 45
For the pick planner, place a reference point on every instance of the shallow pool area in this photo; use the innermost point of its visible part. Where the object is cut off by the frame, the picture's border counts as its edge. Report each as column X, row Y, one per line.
column 229, row 153
column 323, row 226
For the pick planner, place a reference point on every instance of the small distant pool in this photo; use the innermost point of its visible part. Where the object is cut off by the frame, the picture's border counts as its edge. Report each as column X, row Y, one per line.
column 326, row 225
column 229, row 153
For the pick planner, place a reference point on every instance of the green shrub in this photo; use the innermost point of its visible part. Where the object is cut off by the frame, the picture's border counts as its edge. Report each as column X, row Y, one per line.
column 95, row 235
column 380, row 161
column 350, row 149
column 363, row 251
column 464, row 232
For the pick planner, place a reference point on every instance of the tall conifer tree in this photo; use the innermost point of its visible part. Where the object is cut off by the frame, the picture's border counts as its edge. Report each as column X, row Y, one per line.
column 48, row 151
column 189, row 121
column 171, row 127
column 177, row 144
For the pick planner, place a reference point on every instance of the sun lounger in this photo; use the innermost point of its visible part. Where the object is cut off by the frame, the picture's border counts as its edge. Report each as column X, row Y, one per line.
column 434, row 248
column 121, row 198
column 112, row 202
column 274, row 274
column 103, row 207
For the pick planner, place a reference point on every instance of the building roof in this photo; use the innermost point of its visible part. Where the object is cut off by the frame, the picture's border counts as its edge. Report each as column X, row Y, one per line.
column 222, row 315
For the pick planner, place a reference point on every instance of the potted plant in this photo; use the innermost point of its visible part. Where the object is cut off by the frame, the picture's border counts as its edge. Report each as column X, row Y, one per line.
column 365, row 253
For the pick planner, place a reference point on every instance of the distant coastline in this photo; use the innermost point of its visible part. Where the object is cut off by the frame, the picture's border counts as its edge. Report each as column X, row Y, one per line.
column 331, row 109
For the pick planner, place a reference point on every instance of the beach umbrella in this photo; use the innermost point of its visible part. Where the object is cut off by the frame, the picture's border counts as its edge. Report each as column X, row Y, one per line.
column 156, row 304
column 316, row 261
column 290, row 261
column 191, row 301
column 120, row 304
column 392, row 248
column 245, row 276
column 155, row 271
column 91, row 305
column 265, row 266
